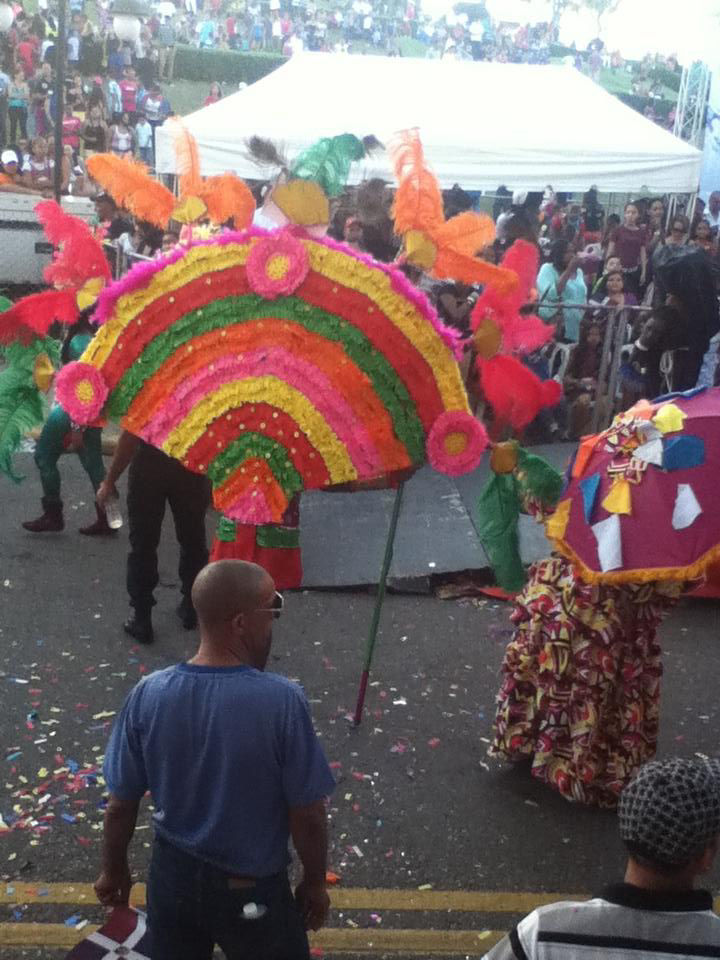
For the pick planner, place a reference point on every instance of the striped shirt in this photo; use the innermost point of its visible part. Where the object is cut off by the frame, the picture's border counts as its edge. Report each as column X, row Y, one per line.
column 623, row 922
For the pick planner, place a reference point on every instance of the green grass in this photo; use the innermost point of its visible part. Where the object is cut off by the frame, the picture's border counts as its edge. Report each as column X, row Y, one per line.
column 186, row 96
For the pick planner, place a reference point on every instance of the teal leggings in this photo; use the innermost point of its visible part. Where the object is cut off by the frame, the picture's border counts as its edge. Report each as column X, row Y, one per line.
column 50, row 448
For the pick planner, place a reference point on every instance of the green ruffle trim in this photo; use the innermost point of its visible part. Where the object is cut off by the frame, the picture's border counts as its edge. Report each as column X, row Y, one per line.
column 256, row 445
column 225, row 530
column 233, row 310
column 277, row 538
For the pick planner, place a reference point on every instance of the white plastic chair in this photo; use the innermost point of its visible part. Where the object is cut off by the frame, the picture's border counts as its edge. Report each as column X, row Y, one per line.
column 667, row 362
column 558, row 360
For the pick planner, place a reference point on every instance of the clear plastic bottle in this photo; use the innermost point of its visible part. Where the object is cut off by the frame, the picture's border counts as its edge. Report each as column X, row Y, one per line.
column 113, row 514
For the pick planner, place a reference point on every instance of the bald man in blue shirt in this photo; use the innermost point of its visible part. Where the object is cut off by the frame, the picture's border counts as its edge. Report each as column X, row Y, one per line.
column 234, row 767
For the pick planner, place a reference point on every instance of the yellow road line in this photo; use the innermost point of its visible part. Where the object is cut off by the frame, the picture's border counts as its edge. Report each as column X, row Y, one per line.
column 469, row 901
column 352, row 898
column 438, row 942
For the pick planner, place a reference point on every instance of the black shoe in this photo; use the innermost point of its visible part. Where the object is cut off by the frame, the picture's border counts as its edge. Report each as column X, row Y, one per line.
column 139, row 628
column 51, row 520
column 186, row 613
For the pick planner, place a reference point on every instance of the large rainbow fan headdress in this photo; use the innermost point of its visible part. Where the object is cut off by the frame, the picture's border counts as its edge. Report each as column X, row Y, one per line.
column 275, row 362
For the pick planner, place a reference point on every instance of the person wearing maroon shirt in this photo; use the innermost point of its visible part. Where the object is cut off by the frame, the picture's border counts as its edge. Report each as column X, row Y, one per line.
column 629, row 243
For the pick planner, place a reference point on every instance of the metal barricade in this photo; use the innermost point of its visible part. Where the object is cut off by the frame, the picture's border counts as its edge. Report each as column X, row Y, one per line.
column 616, row 342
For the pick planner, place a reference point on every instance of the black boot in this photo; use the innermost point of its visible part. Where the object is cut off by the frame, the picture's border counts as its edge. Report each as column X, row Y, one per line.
column 186, row 613
column 100, row 528
column 139, row 627
column 51, row 520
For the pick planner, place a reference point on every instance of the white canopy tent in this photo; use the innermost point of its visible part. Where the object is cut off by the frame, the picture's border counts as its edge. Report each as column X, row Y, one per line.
column 482, row 124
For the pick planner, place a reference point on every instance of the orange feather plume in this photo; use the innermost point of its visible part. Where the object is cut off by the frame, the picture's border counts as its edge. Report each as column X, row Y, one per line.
column 228, row 197
column 132, row 187
column 187, row 159
column 418, row 199
column 458, row 266
column 418, row 205
column 467, row 233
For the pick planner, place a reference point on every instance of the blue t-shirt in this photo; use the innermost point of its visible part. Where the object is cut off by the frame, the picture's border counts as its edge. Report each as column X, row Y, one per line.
column 225, row 752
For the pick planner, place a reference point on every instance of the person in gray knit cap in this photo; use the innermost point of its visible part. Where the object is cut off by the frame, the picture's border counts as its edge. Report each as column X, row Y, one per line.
column 669, row 819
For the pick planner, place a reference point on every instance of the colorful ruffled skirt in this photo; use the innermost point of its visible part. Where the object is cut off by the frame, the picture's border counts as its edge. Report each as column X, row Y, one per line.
column 581, row 681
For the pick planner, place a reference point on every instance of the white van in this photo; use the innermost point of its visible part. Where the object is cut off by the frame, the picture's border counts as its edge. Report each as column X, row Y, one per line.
column 24, row 251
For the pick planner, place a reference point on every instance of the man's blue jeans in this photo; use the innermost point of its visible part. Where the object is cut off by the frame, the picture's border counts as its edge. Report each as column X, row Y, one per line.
column 192, row 906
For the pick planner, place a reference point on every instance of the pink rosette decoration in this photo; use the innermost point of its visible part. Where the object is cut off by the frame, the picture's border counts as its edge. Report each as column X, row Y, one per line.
column 81, row 391
column 277, row 265
column 456, row 443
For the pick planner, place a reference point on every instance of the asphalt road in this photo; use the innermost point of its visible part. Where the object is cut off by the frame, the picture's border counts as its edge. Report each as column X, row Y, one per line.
column 418, row 803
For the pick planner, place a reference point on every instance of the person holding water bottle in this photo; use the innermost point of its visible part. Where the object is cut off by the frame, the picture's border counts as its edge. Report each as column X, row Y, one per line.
column 235, row 770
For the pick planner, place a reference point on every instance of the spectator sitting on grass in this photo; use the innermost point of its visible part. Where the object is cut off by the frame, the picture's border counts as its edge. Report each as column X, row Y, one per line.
column 214, row 95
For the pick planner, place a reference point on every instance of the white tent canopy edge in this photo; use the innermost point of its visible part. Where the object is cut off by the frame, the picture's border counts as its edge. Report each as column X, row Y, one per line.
column 482, row 124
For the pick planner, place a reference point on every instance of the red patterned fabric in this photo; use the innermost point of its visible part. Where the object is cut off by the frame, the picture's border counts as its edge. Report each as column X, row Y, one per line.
column 581, row 680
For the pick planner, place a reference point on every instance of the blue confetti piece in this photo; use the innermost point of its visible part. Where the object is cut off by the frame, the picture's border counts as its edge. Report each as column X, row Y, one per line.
column 14, row 756
column 68, row 818
column 73, row 921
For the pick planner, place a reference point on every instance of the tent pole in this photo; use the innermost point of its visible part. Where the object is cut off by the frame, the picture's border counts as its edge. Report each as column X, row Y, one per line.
column 375, row 622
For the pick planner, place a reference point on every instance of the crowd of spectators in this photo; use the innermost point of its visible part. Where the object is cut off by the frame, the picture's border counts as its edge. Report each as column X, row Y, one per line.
column 96, row 57
column 112, row 101
column 596, row 266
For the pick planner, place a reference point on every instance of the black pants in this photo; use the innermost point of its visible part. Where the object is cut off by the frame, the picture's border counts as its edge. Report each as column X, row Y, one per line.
column 193, row 905
column 18, row 118
column 155, row 479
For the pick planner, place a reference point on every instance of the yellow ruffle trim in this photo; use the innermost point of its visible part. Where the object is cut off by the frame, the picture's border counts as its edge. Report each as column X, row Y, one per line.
column 376, row 285
column 260, row 390
column 338, row 267
column 197, row 262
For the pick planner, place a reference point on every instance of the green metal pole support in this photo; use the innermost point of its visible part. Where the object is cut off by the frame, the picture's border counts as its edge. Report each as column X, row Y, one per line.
column 375, row 623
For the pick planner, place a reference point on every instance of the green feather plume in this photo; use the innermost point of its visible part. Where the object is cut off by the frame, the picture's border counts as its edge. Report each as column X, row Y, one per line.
column 328, row 162
column 538, row 479
column 22, row 405
column 21, row 409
